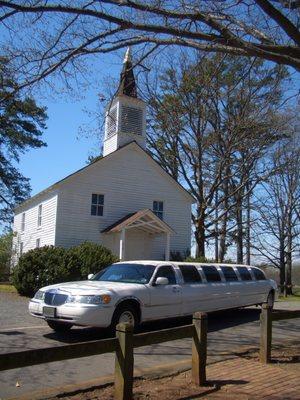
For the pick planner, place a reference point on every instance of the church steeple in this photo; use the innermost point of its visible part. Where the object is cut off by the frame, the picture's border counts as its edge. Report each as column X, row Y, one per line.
column 127, row 81
column 125, row 120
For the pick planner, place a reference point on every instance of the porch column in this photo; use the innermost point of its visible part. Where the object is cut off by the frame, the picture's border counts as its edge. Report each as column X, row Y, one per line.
column 122, row 245
column 167, row 250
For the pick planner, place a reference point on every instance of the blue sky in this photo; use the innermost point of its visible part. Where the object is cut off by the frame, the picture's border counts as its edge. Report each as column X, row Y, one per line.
column 67, row 149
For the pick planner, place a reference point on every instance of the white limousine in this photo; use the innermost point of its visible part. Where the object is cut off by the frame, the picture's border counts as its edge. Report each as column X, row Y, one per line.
column 140, row 291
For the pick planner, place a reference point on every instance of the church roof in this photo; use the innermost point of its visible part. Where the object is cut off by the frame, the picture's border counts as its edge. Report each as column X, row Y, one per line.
column 127, row 84
column 101, row 160
column 143, row 219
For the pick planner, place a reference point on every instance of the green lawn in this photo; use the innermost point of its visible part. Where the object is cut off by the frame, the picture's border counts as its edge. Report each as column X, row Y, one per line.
column 7, row 288
column 294, row 297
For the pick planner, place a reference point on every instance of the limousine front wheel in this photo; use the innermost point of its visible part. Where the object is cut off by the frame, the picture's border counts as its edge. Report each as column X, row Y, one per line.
column 126, row 313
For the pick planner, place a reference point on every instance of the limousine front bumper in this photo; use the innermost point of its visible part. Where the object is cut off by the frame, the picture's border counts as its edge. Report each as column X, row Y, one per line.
column 75, row 314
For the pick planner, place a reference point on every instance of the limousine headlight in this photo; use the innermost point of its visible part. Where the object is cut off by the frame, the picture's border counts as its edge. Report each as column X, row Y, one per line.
column 39, row 295
column 90, row 299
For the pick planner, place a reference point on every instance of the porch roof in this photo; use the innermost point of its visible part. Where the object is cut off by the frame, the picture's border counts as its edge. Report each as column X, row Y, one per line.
column 145, row 220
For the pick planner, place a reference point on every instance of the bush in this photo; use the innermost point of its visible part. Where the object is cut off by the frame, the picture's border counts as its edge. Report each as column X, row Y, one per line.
column 89, row 258
column 49, row 265
column 200, row 259
column 39, row 267
column 176, row 255
column 5, row 255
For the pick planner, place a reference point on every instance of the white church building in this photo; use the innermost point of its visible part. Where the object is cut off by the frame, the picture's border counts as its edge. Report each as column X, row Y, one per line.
column 124, row 201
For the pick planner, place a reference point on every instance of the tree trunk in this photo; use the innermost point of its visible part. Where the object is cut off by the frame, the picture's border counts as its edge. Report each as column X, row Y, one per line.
column 216, row 227
column 239, row 234
column 288, row 280
column 200, row 235
column 223, row 228
column 282, row 265
column 248, row 229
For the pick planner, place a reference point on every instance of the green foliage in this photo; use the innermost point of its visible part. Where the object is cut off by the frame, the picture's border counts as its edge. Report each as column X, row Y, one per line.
column 21, row 125
column 179, row 256
column 39, row 267
column 89, row 258
column 197, row 259
column 49, row 265
column 5, row 254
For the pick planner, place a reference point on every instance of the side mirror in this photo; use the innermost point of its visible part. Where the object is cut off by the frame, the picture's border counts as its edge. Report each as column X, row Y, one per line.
column 90, row 276
column 160, row 281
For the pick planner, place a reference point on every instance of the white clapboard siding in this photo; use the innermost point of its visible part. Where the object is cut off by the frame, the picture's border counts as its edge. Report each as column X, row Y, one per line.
column 46, row 232
column 130, row 181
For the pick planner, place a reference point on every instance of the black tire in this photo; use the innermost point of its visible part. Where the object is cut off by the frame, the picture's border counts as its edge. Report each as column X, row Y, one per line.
column 126, row 313
column 271, row 299
column 59, row 326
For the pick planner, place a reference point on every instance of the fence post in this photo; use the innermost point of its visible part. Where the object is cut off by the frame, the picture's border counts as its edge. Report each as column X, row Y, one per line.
column 265, row 334
column 124, row 362
column 199, row 348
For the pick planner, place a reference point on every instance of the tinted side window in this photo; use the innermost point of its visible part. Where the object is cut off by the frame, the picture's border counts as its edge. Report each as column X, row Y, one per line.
column 190, row 274
column 245, row 274
column 229, row 274
column 167, row 272
column 259, row 275
column 211, row 273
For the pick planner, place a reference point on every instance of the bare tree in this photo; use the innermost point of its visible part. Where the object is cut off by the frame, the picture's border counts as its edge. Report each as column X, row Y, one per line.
column 278, row 227
column 43, row 39
column 211, row 122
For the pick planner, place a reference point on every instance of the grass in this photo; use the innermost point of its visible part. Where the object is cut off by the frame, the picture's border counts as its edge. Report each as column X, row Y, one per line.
column 294, row 297
column 7, row 288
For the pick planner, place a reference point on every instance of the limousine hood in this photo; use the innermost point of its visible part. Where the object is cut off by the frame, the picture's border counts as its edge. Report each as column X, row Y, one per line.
column 92, row 287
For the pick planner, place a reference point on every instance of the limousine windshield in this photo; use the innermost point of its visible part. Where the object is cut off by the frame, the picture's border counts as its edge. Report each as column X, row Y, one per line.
column 126, row 273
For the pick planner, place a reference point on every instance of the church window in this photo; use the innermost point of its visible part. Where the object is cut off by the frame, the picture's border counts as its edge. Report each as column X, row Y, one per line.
column 23, row 223
column 40, row 210
column 97, row 204
column 38, row 243
column 158, row 209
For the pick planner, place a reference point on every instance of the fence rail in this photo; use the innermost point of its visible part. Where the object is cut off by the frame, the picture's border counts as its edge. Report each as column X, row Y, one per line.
column 280, row 315
column 29, row 358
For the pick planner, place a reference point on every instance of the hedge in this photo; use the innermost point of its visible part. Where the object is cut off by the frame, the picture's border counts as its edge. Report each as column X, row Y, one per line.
column 49, row 265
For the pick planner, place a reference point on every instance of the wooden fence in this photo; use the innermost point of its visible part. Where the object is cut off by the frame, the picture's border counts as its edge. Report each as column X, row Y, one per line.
column 123, row 345
column 267, row 316
column 125, row 342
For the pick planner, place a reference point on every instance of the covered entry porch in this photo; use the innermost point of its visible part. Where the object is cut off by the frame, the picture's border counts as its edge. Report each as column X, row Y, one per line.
column 133, row 236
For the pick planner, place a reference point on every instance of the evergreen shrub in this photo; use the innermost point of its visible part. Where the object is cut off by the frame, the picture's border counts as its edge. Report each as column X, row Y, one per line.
column 49, row 265
column 89, row 258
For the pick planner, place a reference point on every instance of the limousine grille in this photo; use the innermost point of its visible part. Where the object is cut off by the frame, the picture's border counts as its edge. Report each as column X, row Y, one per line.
column 55, row 299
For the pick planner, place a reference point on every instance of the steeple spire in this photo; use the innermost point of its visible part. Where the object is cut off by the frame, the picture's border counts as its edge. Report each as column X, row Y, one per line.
column 127, row 57
column 127, row 82
column 125, row 120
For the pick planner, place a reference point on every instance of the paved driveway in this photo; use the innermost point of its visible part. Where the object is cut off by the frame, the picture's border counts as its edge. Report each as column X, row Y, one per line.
column 228, row 332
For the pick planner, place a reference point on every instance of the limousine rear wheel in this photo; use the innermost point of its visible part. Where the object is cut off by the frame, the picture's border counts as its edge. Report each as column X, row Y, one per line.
column 59, row 326
column 126, row 313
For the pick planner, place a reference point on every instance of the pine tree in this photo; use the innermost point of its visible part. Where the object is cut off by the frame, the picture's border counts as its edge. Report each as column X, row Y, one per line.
column 21, row 125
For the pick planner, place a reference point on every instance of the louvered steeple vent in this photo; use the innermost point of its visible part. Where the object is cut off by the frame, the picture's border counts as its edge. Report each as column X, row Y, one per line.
column 125, row 119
